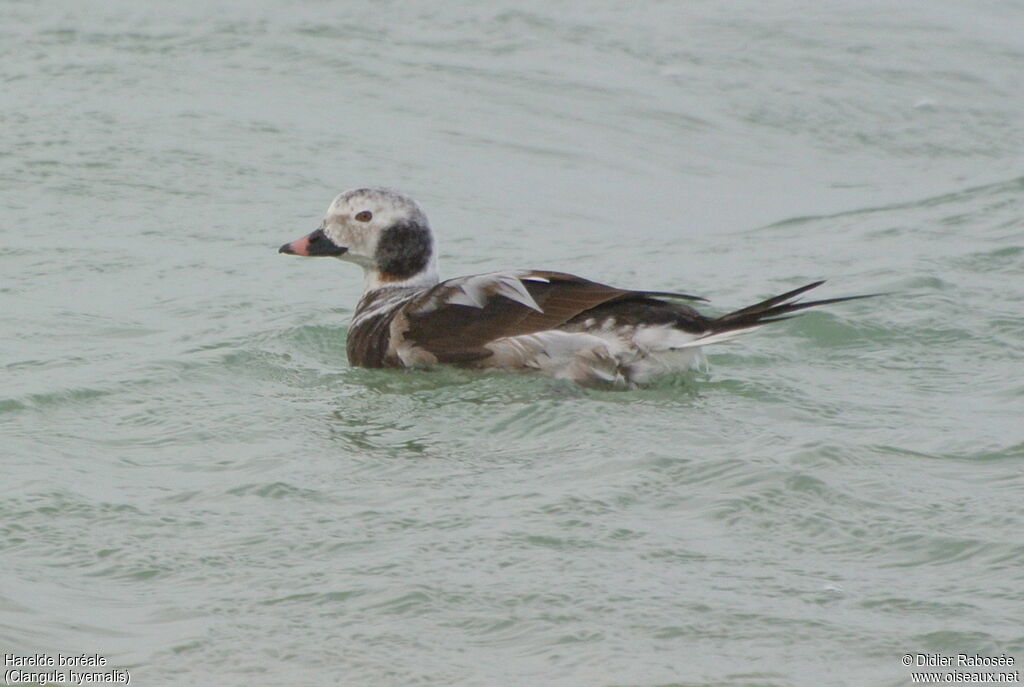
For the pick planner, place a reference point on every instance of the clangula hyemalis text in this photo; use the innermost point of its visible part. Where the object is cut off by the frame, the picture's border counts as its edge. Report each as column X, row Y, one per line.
column 555, row 323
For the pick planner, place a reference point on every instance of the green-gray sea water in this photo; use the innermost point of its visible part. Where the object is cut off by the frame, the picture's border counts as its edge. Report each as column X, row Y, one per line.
column 197, row 487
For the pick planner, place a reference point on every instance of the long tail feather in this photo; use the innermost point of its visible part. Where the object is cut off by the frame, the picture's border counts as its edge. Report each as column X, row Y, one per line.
column 774, row 309
column 774, row 300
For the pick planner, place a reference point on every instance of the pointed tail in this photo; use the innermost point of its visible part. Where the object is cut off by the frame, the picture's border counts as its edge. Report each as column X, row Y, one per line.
column 774, row 309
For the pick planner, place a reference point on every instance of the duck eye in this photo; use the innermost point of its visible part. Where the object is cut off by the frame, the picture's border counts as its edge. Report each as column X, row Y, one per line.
column 364, row 216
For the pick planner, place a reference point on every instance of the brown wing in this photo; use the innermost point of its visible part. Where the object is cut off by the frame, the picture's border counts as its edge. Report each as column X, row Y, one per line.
column 457, row 318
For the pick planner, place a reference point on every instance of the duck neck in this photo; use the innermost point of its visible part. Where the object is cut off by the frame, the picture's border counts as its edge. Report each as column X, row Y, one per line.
column 375, row 279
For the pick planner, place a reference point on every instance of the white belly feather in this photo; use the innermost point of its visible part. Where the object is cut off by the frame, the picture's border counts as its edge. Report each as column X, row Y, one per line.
column 621, row 356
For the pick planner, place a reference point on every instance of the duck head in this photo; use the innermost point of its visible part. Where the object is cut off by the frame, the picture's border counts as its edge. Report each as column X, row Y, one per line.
column 382, row 231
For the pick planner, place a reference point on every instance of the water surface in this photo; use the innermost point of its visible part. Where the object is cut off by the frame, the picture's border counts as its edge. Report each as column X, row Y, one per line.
column 199, row 488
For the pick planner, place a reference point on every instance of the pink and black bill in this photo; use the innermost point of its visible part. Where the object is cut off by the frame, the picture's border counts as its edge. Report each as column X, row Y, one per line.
column 313, row 244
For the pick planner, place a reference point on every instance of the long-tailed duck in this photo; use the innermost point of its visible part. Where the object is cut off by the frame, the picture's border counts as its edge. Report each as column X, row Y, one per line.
column 555, row 323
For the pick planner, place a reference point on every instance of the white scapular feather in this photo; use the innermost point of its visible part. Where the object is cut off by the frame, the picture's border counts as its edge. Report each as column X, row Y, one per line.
column 468, row 294
column 473, row 290
column 510, row 287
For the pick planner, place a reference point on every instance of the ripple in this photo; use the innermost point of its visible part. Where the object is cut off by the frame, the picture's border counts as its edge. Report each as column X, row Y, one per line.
column 193, row 470
column 277, row 490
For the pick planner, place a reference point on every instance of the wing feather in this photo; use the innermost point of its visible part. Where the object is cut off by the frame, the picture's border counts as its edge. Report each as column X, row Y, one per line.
column 456, row 319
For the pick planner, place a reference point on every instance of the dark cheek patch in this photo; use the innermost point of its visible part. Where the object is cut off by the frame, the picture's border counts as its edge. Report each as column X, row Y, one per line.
column 403, row 250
